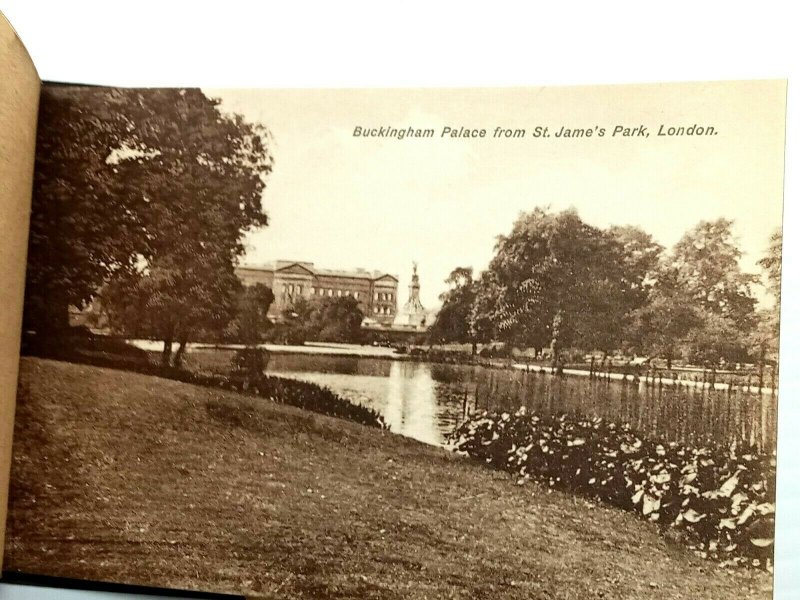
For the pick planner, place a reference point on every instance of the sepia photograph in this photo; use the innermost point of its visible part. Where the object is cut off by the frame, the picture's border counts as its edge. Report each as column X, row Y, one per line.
column 403, row 343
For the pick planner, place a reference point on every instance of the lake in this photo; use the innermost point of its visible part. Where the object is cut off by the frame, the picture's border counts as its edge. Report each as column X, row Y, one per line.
column 426, row 401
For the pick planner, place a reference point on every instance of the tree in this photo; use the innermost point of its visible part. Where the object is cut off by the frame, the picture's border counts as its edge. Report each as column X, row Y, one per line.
column 335, row 319
column 660, row 326
column 484, row 307
column 641, row 257
column 293, row 323
column 706, row 260
column 765, row 338
column 771, row 263
column 200, row 175
column 714, row 339
column 707, row 276
column 251, row 323
column 621, row 280
column 175, row 297
column 85, row 222
column 558, row 281
column 455, row 321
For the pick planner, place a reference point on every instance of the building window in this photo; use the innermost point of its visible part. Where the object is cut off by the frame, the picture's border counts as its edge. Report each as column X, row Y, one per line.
column 376, row 296
column 330, row 292
column 390, row 297
column 375, row 309
column 355, row 295
column 339, row 293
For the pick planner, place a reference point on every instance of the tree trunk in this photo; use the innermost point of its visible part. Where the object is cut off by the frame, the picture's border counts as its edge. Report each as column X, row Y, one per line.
column 177, row 361
column 59, row 317
column 52, row 320
column 555, row 342
column 166, row 353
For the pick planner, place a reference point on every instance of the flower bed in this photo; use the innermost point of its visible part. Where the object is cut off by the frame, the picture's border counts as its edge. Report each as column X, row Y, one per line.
column 722, row 500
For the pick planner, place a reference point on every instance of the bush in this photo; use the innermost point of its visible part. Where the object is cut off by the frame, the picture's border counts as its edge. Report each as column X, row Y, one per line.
column 313, row 397
column 723, row 500
column 291, row 334
column 250, row 360
column 247, row 374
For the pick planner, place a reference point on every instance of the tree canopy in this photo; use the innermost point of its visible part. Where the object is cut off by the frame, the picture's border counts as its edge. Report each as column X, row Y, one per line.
column 455, row 322
column 147, row 192
column 252, row 323
column 335, row 319
column 557, row 282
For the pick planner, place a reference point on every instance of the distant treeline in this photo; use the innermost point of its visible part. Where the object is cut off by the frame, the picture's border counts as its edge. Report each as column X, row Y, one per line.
column 560, row 286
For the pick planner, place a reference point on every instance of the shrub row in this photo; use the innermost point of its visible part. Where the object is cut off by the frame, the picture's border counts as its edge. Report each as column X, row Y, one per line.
column 721, row 500
column 313, row 397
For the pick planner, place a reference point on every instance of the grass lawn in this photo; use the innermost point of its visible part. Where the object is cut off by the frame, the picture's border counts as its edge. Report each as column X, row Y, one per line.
column 129, row 478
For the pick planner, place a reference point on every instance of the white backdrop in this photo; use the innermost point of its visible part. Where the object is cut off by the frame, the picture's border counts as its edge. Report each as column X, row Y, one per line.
column 369, row 44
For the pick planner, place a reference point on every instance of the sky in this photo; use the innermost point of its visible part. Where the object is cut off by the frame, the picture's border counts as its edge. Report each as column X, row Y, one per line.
column 343, row 201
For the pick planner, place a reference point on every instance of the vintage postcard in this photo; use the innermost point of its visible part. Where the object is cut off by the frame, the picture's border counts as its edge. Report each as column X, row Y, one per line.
column 403, row 343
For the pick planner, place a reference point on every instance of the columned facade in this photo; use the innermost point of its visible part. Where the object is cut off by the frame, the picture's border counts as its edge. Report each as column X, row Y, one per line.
column 375, row 291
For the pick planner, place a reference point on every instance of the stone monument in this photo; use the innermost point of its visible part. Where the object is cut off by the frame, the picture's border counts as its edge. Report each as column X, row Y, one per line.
column 413, row 315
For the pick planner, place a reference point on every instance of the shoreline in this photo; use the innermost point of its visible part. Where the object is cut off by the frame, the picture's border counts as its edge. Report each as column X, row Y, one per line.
column 383, row 353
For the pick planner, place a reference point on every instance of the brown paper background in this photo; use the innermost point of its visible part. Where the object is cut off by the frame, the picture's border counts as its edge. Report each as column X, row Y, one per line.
column 19, row 101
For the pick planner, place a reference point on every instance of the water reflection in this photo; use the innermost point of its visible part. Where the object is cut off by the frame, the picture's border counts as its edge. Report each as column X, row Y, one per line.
column 411, row 408
column 426, row 401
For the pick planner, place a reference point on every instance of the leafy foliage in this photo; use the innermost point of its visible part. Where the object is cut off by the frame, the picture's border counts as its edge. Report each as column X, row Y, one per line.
column 771, row 263
column 310, row 396
column 251, row 362
column 335, row 319
column 455, row 321
column 723, row 500
column 765, row 337
column 706, row 261
column 556, row 282
column 85, row 221
column 251, row 323
column 147, row 192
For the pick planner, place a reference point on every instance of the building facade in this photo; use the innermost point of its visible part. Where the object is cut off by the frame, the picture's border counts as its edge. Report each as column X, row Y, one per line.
column 375, row 291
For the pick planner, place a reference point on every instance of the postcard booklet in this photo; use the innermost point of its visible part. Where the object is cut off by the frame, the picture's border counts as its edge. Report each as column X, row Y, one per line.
column 391, row 343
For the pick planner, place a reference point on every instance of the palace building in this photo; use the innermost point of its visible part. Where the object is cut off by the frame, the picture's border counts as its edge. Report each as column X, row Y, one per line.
column 375, row 291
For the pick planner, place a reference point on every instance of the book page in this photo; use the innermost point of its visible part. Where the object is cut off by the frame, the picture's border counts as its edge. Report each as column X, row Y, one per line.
column 19, row 96
column 404, row 343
